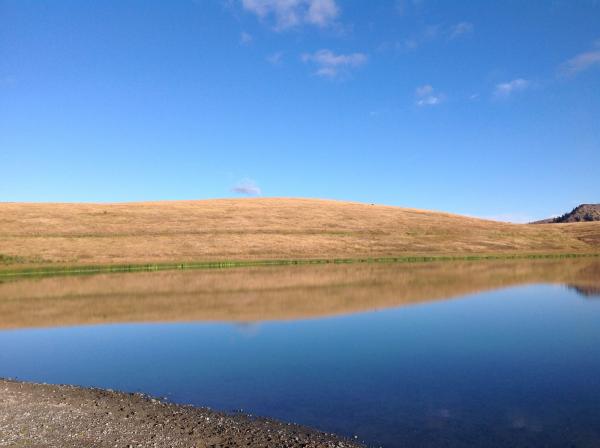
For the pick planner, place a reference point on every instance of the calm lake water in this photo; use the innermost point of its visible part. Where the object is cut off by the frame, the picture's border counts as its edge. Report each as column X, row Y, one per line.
column 461, row 355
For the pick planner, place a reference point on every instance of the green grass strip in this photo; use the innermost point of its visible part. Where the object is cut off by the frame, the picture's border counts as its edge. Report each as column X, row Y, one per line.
column 95, row 269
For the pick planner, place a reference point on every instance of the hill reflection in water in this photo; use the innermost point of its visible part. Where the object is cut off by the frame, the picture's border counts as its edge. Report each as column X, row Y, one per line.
column 270, row 293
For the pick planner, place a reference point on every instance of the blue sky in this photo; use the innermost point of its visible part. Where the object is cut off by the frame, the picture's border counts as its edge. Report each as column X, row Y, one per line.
column 489, row 109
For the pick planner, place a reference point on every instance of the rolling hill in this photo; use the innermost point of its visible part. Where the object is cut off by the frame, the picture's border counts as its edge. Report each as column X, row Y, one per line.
column 260, row 229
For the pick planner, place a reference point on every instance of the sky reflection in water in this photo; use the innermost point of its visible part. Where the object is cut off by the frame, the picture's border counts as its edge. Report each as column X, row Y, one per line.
column 513, row 367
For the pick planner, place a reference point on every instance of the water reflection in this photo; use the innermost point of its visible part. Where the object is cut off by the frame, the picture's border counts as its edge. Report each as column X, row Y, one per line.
column 589, row 292
column 512, row 361
column 269, row 293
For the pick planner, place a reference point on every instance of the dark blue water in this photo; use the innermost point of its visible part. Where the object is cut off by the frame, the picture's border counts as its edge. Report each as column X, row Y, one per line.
column 512, row 368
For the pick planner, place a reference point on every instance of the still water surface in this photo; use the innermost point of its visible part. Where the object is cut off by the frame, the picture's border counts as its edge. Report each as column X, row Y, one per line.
column 515, row 366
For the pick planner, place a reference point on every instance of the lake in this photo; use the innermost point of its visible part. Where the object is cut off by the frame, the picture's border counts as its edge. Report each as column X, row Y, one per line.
column 445, row 354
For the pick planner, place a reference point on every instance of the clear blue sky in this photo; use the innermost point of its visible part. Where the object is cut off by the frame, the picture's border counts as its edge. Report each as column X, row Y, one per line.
column 484, row 108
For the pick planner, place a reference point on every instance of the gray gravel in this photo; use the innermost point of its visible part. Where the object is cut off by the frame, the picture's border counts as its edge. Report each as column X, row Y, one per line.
column 39, row 415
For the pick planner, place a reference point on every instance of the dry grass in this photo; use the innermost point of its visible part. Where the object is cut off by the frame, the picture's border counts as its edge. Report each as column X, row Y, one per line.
column 243, row 229
column 268, row 293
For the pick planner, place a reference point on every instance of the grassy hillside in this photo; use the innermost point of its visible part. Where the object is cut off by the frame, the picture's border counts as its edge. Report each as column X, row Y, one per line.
column 258, row 229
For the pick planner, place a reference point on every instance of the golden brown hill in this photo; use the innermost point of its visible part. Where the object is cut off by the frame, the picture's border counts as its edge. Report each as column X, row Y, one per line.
column 264, row 228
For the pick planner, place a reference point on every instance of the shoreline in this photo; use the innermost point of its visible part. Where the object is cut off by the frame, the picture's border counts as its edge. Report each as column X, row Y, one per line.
column 44, row 415
column 83, row 269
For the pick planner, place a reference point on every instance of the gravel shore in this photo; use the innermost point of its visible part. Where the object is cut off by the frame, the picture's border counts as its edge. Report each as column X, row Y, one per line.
column 40, row 415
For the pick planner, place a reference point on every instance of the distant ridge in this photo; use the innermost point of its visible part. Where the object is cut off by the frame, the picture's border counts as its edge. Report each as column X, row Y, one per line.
column 581, row 213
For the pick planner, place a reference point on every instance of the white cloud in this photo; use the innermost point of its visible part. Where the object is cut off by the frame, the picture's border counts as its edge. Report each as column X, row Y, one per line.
column 428, row 34
column 247, row 187
column 408, row 44
column 330, row 65
column 460, row 29
column 515, row 218
column 292, row 13
column 404, row 7
column 246, row 38
column 401, row 7
column 322, row 12
column 7, row 81
column 275, row 58
column 424, row 90
column 582, row 62
column 427, row 96
column 505, row 89
column 425, row 34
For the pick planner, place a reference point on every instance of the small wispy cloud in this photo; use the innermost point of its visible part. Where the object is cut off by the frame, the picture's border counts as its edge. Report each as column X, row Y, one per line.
column 405, row 7
column 515, row 218
column 582, row 61
column 375, row 113
column 292, row 13
column 427, row 96
column 428, row 34
column 506, row 89
column 401, row 7
column 460, row 29
column 275, row 58
column 7, row 81
column 330, row 64
column 246, row 38
column 321, row 12
column 409, row 44
column 247, row 187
